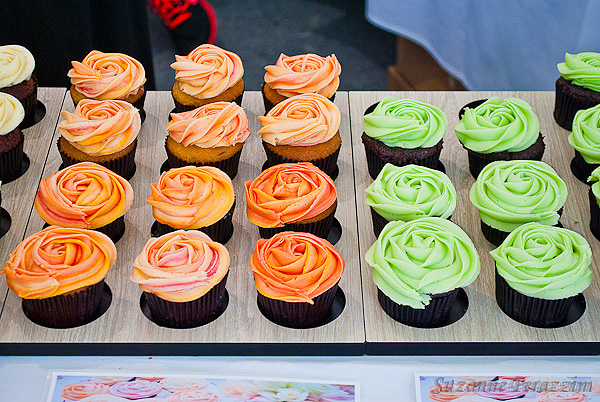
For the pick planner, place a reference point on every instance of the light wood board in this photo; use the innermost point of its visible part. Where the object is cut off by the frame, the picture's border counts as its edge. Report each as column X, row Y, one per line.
column 484, row 329
column 242, row 329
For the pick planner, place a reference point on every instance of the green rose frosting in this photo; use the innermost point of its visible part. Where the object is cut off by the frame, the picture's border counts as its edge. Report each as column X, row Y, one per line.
column 412, row 260
column 410, row 192
column 511, row 193
column 544, row 261
column 582, row 69
column 498, row 125
column 406, row 123
column 595, row 177
column 585, row 137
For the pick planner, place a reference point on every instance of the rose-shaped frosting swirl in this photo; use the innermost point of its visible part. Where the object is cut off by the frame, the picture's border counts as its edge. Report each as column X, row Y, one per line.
column 410, row 192
column 304, row 73
column 207, row 71
column 107, row 75
column 595, row 179
column 135, row 389
column 585, row 135
column 11, row 113
column 545, row 262
column 217, row 124
column 288, row 193
column 510, row 193
column 426, row 256
column 101, row 127
column 180, row 266
column 191, row 197
column 85, row 195
column 58, row 260
column 182, row 384
column 406, row 123
column 193, row 395
column 16, row 65
column 498, row 125
column 435, row 394
column 501, row 395
column 561, row 397
column 80, row 390
column 582, row 69
column 295, row 266
column 302, row 120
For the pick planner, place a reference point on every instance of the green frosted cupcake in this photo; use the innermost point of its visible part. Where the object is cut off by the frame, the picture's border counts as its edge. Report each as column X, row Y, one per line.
column 594, row 196
column 540, row 270
column 511, row 193
column 404, row 193
column 585, row 138
column 401, row 132
column 500, row 129
column 419, row 267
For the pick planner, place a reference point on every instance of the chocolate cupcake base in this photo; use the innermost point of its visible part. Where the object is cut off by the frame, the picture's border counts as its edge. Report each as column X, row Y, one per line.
column 327, row 164
column 26, row 93
column 496, row 236
column 379, row 221
column 229, row 165
column 319, row 228
column 571, row 98
column 11, row 155
column 581, row 169
column 594, row 215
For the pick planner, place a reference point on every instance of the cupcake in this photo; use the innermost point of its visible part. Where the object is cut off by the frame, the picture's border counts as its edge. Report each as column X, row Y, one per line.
column 174, row 384
column 594, row 196
column 108, row 76
column 301, row 74
column 192, row 198
column 500, row 129
column 79, row 390
column 291, row 197
column 192, row 395
column 502, row 395
column 511, row 193
column 103, row 132
column 578, row 87
column 540, row 270
column 403, row 132
column 296, row 276
column 304, row 128
column 183, row 276
column 561, row 397
column 211, row 135
column 17, row 79
column 207, row 74
column 85, row 196
column 585, row 138
column 404, row 193
column 59, row 273
column 419, row 267
column 136, row 389
column 11, row 137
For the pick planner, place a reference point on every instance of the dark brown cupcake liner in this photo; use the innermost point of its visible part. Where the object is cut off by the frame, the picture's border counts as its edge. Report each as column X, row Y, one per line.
column 269, row 105
column 67, row 310
column 139, row 104
column 229, row 165
column 187, row 314
column 496, row 236
column 319, row 228
column 379, row 221
column 123, row 166
column 114, row 230
column 12, row 160
column 435, row 314
column 29, row 104
column 594, row 215
column 569, row 99
column 300, row 314
column 581, row 169
column 180, row 107
column 531, row 310
column 327, row 164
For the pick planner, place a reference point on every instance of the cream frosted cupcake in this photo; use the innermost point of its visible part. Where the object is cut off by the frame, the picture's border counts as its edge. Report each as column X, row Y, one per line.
column 17, row 79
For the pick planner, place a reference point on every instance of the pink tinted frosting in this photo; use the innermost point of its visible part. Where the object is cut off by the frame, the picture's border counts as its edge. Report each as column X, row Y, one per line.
column 193, row 395
column 561, row 397
column 502, row 395
column 80, row 390
column 136, row 389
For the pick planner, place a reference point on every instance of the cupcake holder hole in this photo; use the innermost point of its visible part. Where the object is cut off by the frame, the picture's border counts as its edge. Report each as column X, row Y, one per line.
column 40, row 112
column 470, row 105
column 24, row 166
column 5, row 222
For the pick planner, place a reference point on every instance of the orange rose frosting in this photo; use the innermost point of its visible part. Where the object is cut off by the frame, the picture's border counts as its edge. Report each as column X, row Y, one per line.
column 107, row 75
column 295, row 266
column 80, row 390
column 288, row 193
column 180, row 266
column 207, row 71
column 294, row 75
column 302, row 120
column 217, row 124
column 58, row 260
column 85, row 195
column 101, row 127
column 191, row 197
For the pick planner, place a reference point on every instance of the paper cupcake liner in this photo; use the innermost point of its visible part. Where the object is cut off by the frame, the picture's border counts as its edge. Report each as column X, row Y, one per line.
column 11, row 161
column 379, row 222
column 114, row 230
column 569, row 99
column 67, row 310
column 229, row 165
column 180, row 107
column 319, row 228
column 581, row 169
column 496, row 237
column 269, row 105
column 300, row 314
column 187, row 314
column 30, row 104
column 327, row 164
column 435, row 314
column 594, row 215
column 531, row 310
column 139, row 104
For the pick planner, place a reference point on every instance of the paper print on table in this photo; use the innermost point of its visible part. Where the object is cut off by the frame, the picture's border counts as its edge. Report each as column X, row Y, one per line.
column 508, row 387
column 126, row 387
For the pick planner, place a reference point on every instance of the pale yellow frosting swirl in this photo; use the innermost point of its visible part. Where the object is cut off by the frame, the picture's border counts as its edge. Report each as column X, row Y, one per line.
column 16, row 65
column 11, row 113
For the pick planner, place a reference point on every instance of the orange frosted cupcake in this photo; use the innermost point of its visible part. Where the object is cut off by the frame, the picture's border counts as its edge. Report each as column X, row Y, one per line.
column 103, row 132
column 296, row 275
column 301, row 74
column 193, row 198
column 304, row 128
column 291, row 196
column 59, row 273
column 85, row 196
column 207, row 74
column 211, row 135
column 183, row 276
